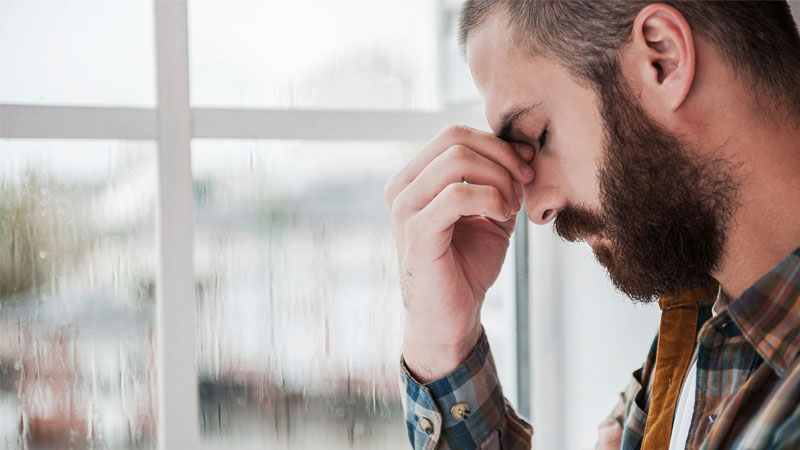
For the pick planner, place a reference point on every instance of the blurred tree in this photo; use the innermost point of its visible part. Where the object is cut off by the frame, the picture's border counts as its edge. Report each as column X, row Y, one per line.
column 37, row 234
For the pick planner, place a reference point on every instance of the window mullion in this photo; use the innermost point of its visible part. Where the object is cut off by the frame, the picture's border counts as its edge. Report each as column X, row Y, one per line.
column 521, row 315
column 175, row 311
column 76, row 122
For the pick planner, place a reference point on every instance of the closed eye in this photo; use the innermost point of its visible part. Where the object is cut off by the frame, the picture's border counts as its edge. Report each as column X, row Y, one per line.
column 542, row 139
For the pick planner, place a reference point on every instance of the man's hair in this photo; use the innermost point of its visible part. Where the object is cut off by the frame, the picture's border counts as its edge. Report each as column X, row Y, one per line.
column 757, row 39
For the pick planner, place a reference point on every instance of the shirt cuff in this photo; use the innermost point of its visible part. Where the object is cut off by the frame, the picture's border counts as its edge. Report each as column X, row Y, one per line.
column 462, row 408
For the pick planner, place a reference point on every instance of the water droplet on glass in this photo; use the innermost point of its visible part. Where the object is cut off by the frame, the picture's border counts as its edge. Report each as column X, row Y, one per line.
column 75, row 342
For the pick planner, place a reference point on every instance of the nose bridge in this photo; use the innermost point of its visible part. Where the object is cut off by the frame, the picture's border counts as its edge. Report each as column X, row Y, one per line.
column 490, row 109
column 545, row 195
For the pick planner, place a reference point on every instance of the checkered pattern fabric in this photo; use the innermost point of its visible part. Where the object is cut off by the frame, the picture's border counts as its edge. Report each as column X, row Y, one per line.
column 492, row 423
column 748, row 382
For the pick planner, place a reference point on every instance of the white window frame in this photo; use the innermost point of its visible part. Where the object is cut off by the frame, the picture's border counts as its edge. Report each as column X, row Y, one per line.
column 173, row 123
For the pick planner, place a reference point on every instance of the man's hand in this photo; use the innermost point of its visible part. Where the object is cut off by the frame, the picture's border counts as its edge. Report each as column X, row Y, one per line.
column 609, row 435
column 452, row 239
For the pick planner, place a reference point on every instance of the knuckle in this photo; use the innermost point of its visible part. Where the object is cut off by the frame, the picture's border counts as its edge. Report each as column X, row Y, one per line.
column 504, row 176
column 456, row 191
column 508, row 149
column 493, row 193
column 399, row 205
column 458, row 153
column 457, row 131
column 497, row 196
column 390, row 190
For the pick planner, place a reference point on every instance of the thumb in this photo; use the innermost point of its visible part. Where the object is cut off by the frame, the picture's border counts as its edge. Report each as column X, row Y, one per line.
column 609, row 435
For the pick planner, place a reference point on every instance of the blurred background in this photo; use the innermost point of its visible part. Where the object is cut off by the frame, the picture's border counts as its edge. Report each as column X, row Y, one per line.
column 295, row 115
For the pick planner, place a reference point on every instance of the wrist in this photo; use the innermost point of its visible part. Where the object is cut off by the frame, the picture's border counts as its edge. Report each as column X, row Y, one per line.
column 429, row 360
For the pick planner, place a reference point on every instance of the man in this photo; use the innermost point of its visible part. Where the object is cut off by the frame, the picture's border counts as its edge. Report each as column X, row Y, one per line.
column 667, row 136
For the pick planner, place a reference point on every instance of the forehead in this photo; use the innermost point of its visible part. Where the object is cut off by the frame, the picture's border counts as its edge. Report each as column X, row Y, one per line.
column 507, row 77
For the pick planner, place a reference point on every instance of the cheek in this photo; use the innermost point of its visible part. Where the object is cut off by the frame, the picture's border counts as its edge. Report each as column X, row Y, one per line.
column 576, row 164
column 576, row 148
column 590, row 183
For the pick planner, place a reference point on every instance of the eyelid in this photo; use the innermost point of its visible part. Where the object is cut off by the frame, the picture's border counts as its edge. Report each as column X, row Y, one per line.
column 542, row 139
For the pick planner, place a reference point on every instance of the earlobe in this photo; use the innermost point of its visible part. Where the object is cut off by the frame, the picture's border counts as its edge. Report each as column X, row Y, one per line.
column 668, row 49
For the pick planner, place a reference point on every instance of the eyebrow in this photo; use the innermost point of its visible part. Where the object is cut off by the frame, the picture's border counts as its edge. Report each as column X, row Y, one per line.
column 508, row 124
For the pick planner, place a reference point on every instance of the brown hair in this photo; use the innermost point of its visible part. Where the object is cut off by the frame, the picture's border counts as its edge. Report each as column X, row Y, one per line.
column 757, row 39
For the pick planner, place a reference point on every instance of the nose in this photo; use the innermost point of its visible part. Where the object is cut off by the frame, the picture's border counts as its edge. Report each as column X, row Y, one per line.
column 544, row 197
column 543, row 204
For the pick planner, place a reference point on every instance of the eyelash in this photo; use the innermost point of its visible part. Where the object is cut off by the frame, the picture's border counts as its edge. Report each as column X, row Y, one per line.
column 542, row 139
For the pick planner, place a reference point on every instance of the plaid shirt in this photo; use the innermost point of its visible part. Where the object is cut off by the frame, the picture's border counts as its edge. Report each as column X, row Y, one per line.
column 748, row 382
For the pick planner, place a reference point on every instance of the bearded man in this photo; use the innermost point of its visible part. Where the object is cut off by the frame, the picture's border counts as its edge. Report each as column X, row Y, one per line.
column 667, row 136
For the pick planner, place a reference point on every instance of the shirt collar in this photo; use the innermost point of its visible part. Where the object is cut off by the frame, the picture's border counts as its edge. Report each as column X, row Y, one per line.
column 720, row 302
column 768, row 313
column 688, row 298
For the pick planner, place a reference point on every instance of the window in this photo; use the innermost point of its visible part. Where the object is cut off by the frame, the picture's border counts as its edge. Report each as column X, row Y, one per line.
column 347, row 54
column 297, row 308
column 194, row 249
column 298, row 114
column 77, row 275
column 86, row 52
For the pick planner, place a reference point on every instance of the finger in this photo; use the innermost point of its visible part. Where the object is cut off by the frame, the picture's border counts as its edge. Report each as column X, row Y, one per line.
column 505, row 153
column 431, row 227
column 518, row 190
column 525, row 151
column 609, row 435
column 487, row 144
column 457, row 164
column 508, row 225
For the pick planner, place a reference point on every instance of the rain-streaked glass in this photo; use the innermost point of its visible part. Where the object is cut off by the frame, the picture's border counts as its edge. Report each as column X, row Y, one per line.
column 76, row 294
column 81, row 52
column 299, row 308
column 352, row 54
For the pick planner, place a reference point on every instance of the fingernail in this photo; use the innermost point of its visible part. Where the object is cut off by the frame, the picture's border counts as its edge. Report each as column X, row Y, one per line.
column 524, row 150
column 527, row 170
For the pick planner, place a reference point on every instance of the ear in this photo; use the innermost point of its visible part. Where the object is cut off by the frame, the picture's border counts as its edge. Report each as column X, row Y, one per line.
column 664, row 49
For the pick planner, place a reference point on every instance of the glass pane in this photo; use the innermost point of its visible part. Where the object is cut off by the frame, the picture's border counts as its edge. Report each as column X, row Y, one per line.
column 76, row 294
column 459, row 89
column 87, row 52
column 299, row 308
column 315, row 53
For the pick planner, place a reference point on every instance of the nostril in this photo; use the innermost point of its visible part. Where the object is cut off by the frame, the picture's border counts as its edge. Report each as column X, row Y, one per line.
column 547, row 214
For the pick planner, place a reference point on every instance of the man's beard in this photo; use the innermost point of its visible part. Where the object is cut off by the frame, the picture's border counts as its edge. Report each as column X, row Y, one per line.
column 665, row 210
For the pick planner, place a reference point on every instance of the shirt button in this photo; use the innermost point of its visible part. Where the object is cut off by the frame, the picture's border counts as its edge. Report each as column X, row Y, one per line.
column 460, row 411
column 425, row 425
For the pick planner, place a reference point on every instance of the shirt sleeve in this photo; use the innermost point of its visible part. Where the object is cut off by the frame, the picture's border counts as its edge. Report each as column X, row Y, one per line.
column 465, row 409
